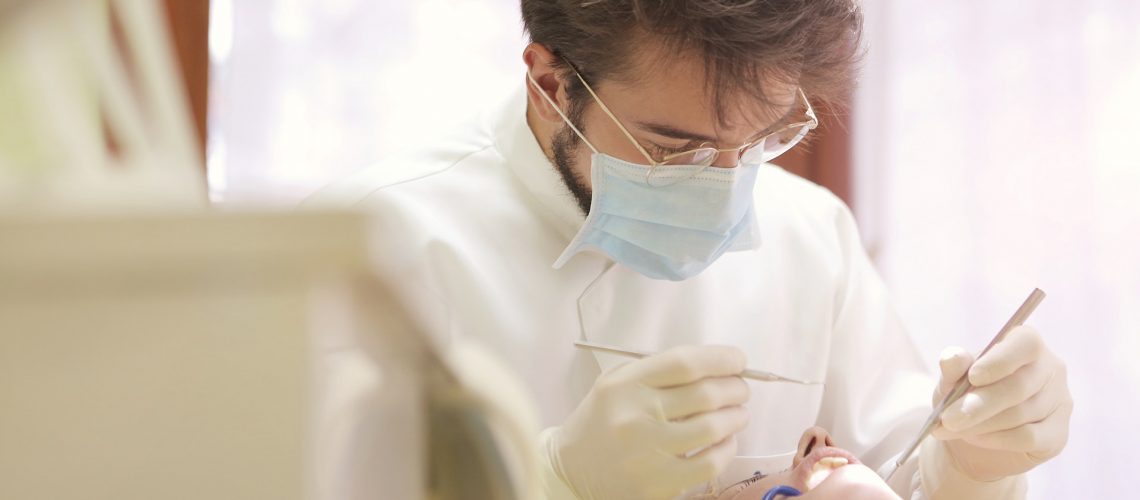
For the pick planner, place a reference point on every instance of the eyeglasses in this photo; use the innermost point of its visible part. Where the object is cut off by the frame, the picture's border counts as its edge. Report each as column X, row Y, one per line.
column 757, row 151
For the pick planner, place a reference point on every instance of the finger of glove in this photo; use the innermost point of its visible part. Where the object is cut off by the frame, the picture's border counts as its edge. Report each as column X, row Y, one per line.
column 1022, row 346
column 705, row 429
column 1042, row 439
column 705, row 465
column 982, row 403
column 953, row 363
column 684, row 365
column 703, row 396
column 1037, row 408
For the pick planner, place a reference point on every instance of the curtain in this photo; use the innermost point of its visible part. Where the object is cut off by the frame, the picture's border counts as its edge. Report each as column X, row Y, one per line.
column 995, row 152
column 305, row 92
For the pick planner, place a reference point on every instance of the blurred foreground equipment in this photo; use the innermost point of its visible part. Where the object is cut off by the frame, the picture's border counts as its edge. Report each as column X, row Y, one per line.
column 153, row 349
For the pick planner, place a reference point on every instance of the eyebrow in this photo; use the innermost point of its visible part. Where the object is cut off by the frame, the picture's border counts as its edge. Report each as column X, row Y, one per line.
column 678, row 133
column 673, row 132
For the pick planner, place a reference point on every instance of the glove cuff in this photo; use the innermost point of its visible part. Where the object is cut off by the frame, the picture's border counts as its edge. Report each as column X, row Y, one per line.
column 555, row 485
column 942, row 480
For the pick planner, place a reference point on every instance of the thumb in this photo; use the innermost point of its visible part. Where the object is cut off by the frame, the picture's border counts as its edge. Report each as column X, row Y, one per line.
column 954, row 363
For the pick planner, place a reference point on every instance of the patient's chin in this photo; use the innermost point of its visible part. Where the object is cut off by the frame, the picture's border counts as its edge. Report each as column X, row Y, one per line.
column 851, row 482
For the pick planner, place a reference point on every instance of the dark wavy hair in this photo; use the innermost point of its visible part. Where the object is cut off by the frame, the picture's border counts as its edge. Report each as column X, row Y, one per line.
column 743, row 44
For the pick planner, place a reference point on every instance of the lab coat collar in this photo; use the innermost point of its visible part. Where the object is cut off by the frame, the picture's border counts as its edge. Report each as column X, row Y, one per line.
column 524, row 157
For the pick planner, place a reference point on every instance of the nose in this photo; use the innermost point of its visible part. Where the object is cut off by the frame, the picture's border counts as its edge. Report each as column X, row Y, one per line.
column 727, row 159
column 811, row 439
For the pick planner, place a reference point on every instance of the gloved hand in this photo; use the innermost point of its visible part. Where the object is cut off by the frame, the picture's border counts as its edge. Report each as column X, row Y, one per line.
column 655, row 426
column 1016, row 416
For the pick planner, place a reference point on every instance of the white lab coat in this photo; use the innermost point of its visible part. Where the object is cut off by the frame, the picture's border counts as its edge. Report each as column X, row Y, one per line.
column 476, row 222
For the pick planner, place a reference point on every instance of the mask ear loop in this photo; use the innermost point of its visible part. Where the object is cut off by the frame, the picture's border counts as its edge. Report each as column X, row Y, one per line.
column 653, row 164
column 560, row 113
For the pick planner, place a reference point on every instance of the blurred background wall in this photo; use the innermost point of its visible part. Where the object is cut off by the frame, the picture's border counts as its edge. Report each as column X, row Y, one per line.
column 996, row 151
column 304, row 92
column 990, row 149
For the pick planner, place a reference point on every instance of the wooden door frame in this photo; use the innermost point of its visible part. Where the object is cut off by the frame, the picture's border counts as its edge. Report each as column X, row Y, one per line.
column 189, row 23
column 826, row 157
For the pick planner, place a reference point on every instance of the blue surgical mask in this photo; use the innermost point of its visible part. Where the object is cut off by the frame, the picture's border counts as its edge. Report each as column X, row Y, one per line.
column 670, row 221
column 664, row 221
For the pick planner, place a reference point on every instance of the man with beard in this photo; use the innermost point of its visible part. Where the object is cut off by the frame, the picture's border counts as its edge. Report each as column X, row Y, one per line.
column 623, row 196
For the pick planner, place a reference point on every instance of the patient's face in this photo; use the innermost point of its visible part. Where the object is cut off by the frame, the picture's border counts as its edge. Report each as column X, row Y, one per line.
column 820, row 471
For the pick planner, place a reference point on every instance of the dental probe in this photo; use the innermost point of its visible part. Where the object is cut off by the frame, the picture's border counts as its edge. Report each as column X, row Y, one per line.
column 963, row 384
column 762, row 376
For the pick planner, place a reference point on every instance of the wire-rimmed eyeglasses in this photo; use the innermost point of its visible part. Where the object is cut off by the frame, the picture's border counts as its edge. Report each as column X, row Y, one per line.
column 760, row 150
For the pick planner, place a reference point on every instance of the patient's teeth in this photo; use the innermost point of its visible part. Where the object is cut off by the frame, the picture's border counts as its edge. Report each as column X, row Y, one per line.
column 832, row 462
column 823, row 468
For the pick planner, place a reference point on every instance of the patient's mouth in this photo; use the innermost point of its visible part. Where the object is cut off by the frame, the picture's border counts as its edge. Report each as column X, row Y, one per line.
column 823, row 468
column 820, row 463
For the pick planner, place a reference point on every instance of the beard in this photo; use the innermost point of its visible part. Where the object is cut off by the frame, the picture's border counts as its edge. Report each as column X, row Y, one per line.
column 565, row 146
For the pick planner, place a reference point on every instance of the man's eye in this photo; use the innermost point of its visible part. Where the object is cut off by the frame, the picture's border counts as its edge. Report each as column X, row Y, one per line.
column 664, row 151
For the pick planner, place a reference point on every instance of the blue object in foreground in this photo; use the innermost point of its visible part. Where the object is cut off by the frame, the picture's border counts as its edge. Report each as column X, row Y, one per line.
column 781, row 490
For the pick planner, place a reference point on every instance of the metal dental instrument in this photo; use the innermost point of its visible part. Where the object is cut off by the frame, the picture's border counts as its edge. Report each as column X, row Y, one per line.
column 963, row 383
column 747, row 373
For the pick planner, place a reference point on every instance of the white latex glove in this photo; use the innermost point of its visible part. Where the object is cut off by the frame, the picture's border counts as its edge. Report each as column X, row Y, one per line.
column 655, row 426
column 1017, row 414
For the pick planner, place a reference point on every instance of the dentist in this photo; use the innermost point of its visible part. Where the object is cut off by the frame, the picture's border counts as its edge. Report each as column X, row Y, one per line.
column 623, row 195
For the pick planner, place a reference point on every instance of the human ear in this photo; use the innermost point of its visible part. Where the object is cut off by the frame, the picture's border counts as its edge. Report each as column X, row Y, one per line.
column 543, row 78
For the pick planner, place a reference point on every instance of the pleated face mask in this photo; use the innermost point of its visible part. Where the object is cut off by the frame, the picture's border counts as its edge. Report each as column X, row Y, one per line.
column 674, row 218
column 670, row 223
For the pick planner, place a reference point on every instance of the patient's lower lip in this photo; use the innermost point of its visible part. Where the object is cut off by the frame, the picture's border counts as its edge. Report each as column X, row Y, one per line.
column 802, row 475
